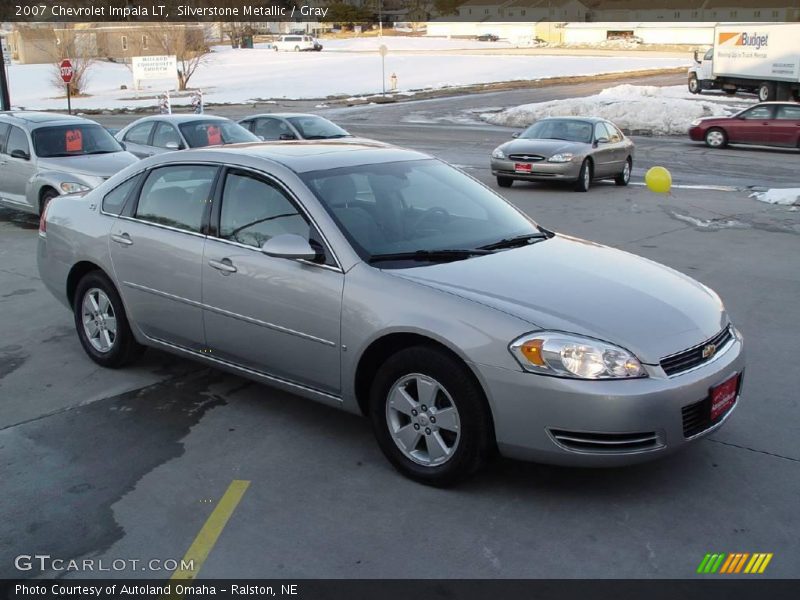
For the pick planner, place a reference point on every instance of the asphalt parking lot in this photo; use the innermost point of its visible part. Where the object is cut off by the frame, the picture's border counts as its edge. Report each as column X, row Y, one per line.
column 129, row 464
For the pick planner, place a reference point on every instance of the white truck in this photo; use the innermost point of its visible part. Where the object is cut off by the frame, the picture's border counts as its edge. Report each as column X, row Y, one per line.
column 762, row 58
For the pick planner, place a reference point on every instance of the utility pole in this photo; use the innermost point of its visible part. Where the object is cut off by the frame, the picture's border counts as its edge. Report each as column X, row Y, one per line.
column 5, row 102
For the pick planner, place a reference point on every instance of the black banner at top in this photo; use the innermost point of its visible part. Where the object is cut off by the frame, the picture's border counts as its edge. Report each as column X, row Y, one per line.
column 400, row 11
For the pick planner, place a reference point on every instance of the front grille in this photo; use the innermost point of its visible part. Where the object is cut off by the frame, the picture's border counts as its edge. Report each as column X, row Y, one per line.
column 606, row 443
column 526, row 157
column 693, row 357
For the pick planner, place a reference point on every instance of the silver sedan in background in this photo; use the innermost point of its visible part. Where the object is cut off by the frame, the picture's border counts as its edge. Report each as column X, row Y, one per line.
column 576, row 150
column 387, row 283
column 165, row 133
column 293, row 126
column 44, row 155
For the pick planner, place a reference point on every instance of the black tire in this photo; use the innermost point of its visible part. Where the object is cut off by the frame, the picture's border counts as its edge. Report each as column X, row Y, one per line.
column 625, row 177
column 505, row 182
column 476, row 436
column 766, row 92
column 47, row 195
column 124, row 349
column 694, row 84
column 584, row 181
column 716, row 138
column 297, row 48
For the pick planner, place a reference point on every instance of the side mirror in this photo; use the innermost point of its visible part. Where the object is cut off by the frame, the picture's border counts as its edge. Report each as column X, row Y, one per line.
column 173, row 146
column 515, row 134
column 289, row 245
column 601, row 140
column 262, row 138
column 287, row 136
column 697, row 60
column 20, row 154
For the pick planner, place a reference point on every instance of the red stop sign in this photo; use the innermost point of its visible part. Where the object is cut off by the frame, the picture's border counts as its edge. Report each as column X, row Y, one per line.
column 66, row 70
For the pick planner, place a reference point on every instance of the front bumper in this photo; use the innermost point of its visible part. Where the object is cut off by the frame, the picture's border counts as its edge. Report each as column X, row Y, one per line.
column 697, row 133
column 603, row 423
column 540, row 170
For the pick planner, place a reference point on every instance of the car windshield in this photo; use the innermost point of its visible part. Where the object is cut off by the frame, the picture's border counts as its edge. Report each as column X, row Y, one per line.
column 73, row 140
column 571, row 130
column 421, row 206
column 317, row 128
column 209, row 132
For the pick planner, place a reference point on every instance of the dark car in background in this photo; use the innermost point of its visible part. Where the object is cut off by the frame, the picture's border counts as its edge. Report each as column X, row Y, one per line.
column 765, row 124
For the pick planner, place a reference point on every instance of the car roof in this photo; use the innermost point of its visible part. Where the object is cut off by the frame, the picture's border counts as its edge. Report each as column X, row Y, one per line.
column 181, row 118
column 283, row 115
column 302, row 156
column 32, row 118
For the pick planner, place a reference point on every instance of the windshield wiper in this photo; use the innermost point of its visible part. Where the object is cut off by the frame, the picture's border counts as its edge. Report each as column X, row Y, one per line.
column 430, row 255
column 104, row 152
column 518, row 240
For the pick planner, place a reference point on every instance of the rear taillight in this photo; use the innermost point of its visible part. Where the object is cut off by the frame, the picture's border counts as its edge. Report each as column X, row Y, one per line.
column 43, row 220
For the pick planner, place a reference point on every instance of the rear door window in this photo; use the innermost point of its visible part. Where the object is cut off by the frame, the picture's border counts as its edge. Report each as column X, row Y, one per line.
column 177, row 196
column 785, row 112
column 140, row 134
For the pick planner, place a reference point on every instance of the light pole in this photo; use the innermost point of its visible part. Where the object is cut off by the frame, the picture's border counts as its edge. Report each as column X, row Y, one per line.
column 5, row 102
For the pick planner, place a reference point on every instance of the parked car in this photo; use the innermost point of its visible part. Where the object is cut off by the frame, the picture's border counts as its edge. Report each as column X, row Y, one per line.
column 385, row 282
column 44, row 155
column 292, row 126
column 578, row 150
column 765, row 124
column 488, row 37
column 165, row 133
column 296, row 43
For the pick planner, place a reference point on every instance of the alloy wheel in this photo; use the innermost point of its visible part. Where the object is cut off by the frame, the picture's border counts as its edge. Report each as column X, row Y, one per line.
column 423, row 420
column 99, row 320
column 715, row 138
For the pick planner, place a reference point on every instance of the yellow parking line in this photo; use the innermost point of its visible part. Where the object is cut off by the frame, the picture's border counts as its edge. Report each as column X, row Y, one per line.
column 201, row 547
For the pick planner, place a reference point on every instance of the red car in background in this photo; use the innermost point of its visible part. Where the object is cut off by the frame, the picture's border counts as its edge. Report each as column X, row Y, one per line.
column 765, row 124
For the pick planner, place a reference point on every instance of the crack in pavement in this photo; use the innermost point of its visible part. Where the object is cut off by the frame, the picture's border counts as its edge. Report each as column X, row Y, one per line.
column 753, row 450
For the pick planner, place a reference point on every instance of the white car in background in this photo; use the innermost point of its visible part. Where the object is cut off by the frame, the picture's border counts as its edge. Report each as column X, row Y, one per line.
column 297, row 43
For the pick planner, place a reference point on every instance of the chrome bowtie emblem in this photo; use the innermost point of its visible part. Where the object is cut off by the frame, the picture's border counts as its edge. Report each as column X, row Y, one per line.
column 709, row 350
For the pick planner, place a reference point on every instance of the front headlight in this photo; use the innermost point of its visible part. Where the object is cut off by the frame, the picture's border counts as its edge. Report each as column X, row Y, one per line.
column 561, row 158
column 568, row 355
column 498, row 153
column 71, row 187
column 694, row 123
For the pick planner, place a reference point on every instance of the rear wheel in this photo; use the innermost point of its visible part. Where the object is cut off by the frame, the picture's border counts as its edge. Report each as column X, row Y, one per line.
column 101, row 322
column 716, row 138
column 430, row 417
column 766, row 91
column 504, row 182
column 624, row 177
column 297, row 48
column 584, row 177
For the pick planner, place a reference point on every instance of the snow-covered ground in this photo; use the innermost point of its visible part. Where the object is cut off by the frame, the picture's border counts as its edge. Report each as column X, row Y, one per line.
column 414, row 44
column 785, row 196
column 659, row 110
column 236, row 76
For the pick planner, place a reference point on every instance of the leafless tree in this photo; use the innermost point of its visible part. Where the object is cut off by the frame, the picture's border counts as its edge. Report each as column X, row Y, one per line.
column 189, row 46
column 76, row 45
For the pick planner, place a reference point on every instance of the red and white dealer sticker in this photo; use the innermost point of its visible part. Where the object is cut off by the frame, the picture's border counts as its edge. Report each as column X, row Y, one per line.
column 723, row 396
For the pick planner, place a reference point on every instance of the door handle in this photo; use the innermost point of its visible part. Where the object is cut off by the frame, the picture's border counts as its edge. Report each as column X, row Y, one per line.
column 122, row 238
column 225, row 265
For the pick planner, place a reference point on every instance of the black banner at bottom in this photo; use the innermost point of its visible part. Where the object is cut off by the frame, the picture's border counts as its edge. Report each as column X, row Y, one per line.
column 405, row 589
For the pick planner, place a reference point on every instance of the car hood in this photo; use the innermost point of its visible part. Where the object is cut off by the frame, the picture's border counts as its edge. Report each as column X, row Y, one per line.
column 544, row 147
column 91, row 165
column 572, row 285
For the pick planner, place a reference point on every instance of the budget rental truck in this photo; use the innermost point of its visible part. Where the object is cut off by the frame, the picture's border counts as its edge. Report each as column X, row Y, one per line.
column 763, row 58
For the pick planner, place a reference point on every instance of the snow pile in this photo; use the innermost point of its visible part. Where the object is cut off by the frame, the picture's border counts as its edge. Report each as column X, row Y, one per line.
column 657, row 110
column 241, row 76
column 785, row 196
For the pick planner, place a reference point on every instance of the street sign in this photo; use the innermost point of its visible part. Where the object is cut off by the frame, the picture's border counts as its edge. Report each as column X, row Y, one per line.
column 383, row 50
column 66, row 70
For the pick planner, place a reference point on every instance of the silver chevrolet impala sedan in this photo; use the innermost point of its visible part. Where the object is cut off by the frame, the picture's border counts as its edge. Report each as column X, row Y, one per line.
column 387, row 283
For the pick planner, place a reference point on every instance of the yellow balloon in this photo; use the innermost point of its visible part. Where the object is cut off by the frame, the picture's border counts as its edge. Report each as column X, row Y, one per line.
column 658, row 179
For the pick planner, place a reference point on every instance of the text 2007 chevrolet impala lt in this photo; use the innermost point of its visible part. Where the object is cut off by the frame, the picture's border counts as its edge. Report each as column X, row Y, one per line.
column 385, row 282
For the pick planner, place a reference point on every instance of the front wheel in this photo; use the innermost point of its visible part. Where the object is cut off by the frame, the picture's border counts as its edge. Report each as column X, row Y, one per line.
column 504, row 182
column 624, row 177
column 584, row 177
column 430, row 417
column 47, row 196
column 101, row 322
column 694, row 85
column 766, row 91
column 297, row 48
column 716, row 138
